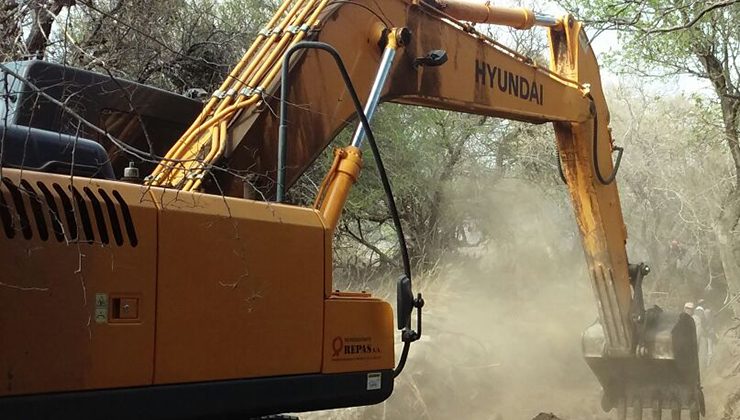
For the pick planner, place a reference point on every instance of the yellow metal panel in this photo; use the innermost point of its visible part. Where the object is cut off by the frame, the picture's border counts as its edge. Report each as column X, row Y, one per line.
column 241, row 288
column 358, row 335
column 49, row 291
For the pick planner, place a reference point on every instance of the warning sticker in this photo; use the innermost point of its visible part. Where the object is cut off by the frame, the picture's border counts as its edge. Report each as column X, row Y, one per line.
column 374, row 381
column 101, row 308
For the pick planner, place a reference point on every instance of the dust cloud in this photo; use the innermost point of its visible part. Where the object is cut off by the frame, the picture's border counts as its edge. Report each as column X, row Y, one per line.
column 502, row 324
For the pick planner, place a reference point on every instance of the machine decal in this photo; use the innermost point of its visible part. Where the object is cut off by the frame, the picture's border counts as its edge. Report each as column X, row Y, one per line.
column 507, row 82
column 374, row 381
column 101, row 308
column 354, row 348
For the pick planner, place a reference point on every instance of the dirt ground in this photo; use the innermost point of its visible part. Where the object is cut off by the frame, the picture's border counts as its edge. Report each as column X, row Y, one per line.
column 722, row 381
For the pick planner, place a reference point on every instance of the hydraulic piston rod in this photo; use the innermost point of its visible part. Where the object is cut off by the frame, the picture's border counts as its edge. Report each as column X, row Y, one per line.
column 483, row 12
column 389, row 53
column 348, row 161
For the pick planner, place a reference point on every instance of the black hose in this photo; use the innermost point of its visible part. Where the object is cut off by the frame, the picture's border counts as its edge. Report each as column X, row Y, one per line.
column 282, row 141
column 560, row 166
column 391, row 202
column 402, row 360
column 620, row 150
column 282, row 151
column 283, row 129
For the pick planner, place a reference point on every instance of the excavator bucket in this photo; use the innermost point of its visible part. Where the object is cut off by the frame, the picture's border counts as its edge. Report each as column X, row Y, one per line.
column 662, row 374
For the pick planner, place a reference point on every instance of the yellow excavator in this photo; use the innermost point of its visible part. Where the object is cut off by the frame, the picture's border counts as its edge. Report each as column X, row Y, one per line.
column 196, row 291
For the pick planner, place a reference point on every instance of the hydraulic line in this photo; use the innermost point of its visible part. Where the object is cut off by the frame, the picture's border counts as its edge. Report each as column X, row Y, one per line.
column 364, row 123
column 390, row 199
column 372, row 103
column 560, row 165
column 197, row 169
column 620, row 150
column 236, row 75
column 204, row 143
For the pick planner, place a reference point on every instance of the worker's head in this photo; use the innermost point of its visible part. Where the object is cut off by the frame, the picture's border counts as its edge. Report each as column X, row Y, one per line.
column 689, row 308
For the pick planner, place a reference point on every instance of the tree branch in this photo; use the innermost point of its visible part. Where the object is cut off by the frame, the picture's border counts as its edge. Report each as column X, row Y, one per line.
column 383, row 257
column 695, row 20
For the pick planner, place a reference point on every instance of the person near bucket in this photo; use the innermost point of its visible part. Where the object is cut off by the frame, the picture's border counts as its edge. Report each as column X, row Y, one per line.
column 704, row 331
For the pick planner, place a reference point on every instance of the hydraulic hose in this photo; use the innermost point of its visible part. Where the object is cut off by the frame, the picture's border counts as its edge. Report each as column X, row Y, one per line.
column 282, row 154
column 560, row 166
column 620, row 150
column 283, row 133
column 204, row 143
column 402, row 360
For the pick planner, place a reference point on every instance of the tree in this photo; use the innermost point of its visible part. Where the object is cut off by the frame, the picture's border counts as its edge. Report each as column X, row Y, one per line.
column 686, row 37
column 173, row 44
column 673, row 178
column 37, row 17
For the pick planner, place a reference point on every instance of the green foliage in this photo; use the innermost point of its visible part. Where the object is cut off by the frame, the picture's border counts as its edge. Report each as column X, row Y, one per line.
column 444, row 167
column 666, row 38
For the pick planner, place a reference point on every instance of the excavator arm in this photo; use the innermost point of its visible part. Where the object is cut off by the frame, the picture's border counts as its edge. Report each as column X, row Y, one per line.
column 417, row 52
column 483, row 77
column 480, row 76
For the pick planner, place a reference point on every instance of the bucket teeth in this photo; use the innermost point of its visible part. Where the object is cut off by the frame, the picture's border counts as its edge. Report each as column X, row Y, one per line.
column 675, row 410
column 622, row 410
column 664, row 377
column 637, row 410
column 657, row 414
column 657, row 410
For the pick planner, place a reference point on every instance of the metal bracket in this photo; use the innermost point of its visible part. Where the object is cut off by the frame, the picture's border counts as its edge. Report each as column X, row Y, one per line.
column 640, row 317
column 294, row 29
column 246, row 91
column 195, row 176
column 408, row 335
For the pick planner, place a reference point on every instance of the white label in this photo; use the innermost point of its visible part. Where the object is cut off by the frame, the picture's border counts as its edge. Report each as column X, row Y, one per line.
column 374, row 381
column 101, row 308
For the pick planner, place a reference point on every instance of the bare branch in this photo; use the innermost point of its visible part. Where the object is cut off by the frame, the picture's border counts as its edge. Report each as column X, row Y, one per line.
column 696, row 18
